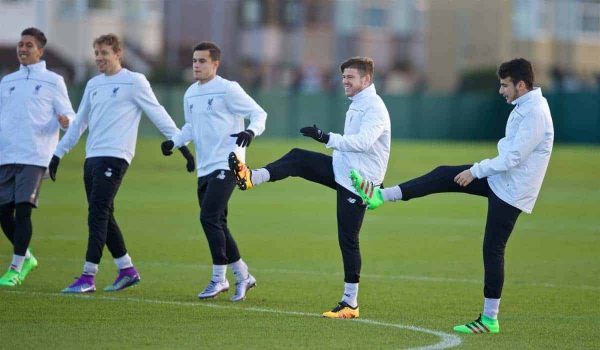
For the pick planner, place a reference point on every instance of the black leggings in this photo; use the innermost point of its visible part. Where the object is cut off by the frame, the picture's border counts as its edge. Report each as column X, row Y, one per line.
column 15, row 221
column 318, row 168
column 501, row 218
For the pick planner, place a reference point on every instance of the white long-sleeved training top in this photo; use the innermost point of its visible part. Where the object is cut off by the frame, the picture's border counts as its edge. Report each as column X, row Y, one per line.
column 31, row 99
column 365, row 144
column 517, row 173
column 213, row 111
column 111, row 108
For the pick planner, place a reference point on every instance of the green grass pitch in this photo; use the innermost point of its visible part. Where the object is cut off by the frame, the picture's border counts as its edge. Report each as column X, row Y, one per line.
column 422, row 264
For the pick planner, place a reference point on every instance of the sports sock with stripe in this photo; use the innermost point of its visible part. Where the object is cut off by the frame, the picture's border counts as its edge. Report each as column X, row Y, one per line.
column 17, row 262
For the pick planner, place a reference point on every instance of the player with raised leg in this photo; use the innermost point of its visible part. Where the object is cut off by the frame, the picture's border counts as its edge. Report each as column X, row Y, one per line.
column 365, row 145
column 511, row 181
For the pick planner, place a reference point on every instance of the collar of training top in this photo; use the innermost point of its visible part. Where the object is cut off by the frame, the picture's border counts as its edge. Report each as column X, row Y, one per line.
column 208, row 83
column 368, row 91
column 36, row 67
column 536, row 92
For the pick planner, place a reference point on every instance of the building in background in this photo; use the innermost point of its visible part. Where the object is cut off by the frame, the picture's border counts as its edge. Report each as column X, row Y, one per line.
column 561, row 38
column 72, row 25
column 297, row 45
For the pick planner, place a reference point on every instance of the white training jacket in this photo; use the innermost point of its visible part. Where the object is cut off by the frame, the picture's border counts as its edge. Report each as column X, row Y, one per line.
column 365, row 144
column 31, row 99
column 213, row 111
column 516, row 174
column 111, row 107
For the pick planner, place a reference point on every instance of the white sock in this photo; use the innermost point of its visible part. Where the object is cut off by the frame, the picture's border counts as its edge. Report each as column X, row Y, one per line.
column 123, row 262
column 28, row 254
column 90, row 269
column 351, row 294
column 17, row 262
column 391, row 194
column 491, row 308
column 240, row 270
column 218, row 274
column 259, row 176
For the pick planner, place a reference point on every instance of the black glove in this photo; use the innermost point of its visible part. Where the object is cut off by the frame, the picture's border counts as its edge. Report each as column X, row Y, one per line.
column 315, row 133
column 167, row 147
column 244, row 138
column 191, row 164
column 53, row 167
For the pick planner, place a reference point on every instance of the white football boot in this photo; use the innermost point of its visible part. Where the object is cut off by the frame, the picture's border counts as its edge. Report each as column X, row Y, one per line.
column 242, row 287
column 213, row 289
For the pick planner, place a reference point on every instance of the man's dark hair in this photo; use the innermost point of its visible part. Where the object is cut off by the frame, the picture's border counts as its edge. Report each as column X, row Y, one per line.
column 364, row 65
column 212, row 48
column 37, row 34
column 517, row 70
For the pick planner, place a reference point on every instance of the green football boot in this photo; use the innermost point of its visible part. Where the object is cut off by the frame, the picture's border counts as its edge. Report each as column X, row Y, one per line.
column 28, row 265
column 481, row 325
column 10, row 278
column 370, row 194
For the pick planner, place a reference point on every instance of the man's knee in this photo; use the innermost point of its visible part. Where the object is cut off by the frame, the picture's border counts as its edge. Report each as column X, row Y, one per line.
column 348, row 242
column 210, row 219
column 446, row 169
column 23, row 211
column 295, row 153
column 493, row 248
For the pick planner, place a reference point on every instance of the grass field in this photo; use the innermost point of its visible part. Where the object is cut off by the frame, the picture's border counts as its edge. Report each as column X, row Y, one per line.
column 422, row 264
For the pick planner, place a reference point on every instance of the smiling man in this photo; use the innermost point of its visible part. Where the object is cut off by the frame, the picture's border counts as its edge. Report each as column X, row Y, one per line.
column 365, row 145
column 111, row 107
column 511, row 181
column 33, row 106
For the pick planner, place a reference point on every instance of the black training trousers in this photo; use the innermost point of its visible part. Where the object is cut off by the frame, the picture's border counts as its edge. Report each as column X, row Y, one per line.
column 15, row 220
column 102, row 177
column 501, row 218
column 214, row 191
column 318, row 168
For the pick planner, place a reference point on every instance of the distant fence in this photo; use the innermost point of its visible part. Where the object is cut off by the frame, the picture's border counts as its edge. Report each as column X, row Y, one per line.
column 457, row 116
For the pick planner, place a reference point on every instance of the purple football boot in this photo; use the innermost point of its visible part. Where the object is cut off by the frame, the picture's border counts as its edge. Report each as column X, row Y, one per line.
column 83, row 284
column 126, row 278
